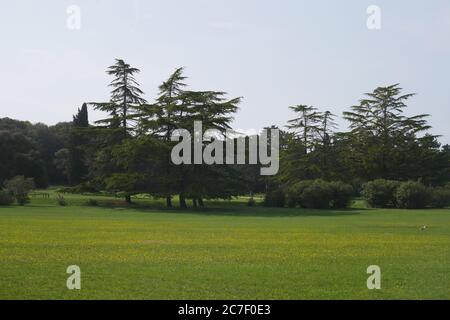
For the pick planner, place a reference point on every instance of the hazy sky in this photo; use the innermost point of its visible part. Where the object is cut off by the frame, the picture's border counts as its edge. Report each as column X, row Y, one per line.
column 273, row 53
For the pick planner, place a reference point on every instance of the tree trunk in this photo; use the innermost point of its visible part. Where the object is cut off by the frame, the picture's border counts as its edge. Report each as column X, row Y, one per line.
column 194, row 202
column 200, row 202
column 183, row 204
column 169, row 202
column 128, row 199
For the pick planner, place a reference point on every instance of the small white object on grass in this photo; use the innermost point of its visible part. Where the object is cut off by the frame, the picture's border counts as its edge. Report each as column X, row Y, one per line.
column 424, row 228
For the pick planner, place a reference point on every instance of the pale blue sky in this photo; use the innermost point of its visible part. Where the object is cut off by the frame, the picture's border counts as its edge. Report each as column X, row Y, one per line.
column 273, row 53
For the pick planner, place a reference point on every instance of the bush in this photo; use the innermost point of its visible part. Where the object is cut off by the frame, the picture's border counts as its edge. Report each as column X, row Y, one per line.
column 294, row 193
column 6, row 198
column 440, row 197
column 358, row 186
column 61, row 201
column 19, row 187
column 413, row 195
column 342, row 195
column 92, row 203
column 251, row 202
column 275, row 199
column 318, row 195
column 291, row 200
column 380, row 193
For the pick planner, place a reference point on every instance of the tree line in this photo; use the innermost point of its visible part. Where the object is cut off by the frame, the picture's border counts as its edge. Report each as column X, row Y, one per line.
column 128, row 152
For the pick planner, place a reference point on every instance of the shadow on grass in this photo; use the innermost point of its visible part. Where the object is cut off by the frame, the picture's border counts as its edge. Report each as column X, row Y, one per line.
column 237, row 210
column 232, row 208
column 17, row 207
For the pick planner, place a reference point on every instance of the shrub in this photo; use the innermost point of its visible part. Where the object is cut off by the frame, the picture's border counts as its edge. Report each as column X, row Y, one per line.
column 380, row 193
column 440, row 197
column 358, row 186
column 318, row 195
column 251, row 202
column 291, row 200
column 61, row 201
column 342, row 195
column 413, row 195
column 275, row 198
column 294, row 193
column 92, row 203
column 19, row 187
column 86, row 187
column 5, row 198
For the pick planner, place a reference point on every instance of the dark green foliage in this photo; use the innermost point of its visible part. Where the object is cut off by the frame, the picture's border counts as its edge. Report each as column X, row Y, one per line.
column 124, row 110
column 92, row 203
column 251, row 202
column 177, row 108
column 358, row 186
column 308, row 124
column 294, row 193
column 342, row 195
column 81, row 119
column 139, row 161
column 29, row 150
column 406, row 195
column 291, row 199
column 78, row 169
column 5, row 198
column 383, row 142
column 62, row 161
column 318, row 195
column 440, row 197
column 19, row 187
column 413, row 195
column 126, row 100
column 380, row 193
column 129, row 152
column 20, row 156
column 275, row 198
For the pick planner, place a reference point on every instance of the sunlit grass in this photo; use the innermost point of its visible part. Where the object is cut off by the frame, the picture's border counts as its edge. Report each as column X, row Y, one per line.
column 228, row 251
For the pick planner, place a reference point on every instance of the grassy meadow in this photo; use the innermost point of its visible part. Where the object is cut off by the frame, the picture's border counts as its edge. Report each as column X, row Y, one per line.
column 225, row 251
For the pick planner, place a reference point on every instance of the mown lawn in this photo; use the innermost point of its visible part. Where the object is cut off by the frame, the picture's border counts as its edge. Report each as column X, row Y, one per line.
column 228, row 251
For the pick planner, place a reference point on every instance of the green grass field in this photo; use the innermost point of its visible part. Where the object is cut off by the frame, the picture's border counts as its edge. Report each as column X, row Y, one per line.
column 228, row 251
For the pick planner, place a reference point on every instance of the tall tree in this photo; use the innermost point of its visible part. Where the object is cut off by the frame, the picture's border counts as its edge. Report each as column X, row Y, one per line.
column 78, row 140
column 379, row 128
column 215, row 112
column 161, row 119
column 328, row 126
column 307, row 125
column 81, row 119
column 326, row 148
column 126, row 98
column 124, row 107
column 177, row 108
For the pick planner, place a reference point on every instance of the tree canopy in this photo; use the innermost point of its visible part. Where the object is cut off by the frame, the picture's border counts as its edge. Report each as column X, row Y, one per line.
column 129, row 151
